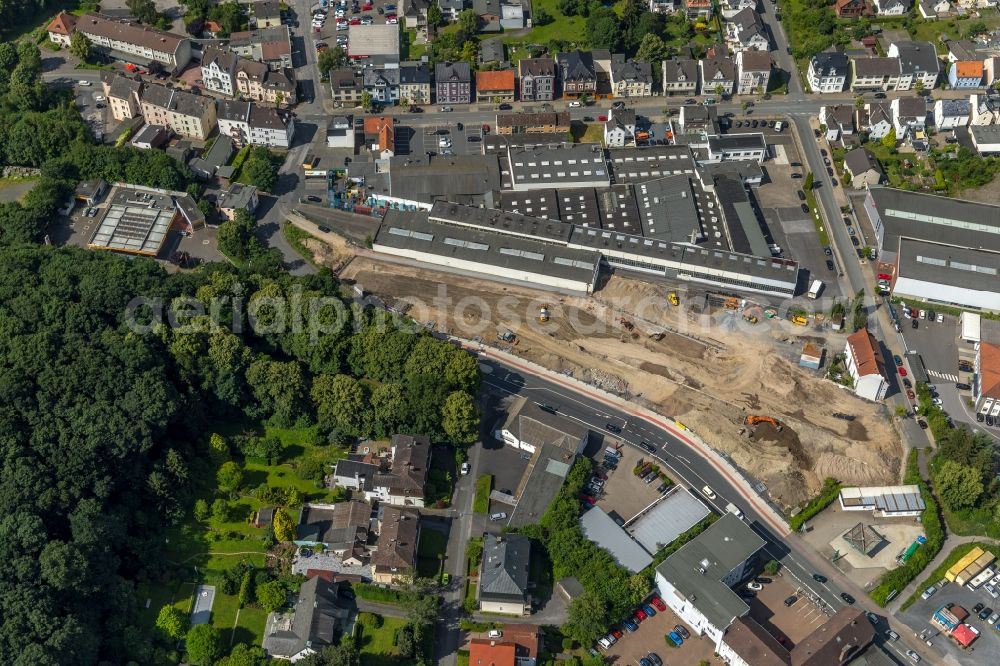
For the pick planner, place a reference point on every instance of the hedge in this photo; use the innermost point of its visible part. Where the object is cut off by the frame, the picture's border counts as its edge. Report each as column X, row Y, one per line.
column 897, row 579
column 484, row 485
column 831, row 488
column 376, row 593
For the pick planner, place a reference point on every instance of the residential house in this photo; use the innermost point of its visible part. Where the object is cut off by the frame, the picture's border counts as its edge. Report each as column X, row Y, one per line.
column 124, row 97
column 320, row 615
column 218, row 68
column 380, row 137
column 852, row 8
column 250, row 123
column 984, row 108
column 965, row 74
column 664, row 6
column 552, row 122
column 874, row 74
column 61, row 28
column 511, row 16
column 909, row 114
column 382, row 84
column 488, row 12
column 394, row 561
column 538, row 79
column 838, row 120
column 951, row 113
column 415, row 83
column 986, row 378
column 503, row 574
column 397, row 478
column 718, row 75
column 985, row 139
column 619, row 129
column 150, row 136
column 579, row 77
column 865, row 365
column 453, row 82
column 212, row 164
column 754, row 68
column 892, row 7
column 492, row 51
column 631, row 78
column 918, row 61
column 746, row 31
column 183, row 113
column 450, row 9
column 828, row 72
column 934, row 9
column 875, row 119
column 414, row 13
column 731, row 8
column 495, row 86
column 134, row 42
column 271, row 46
column 863, row 168
column 518, row 645
column 962, row 49
column 237, row 197
column 680, row 76
column 698, row 9
column 346, row 86
column 991, row 70
column 257, row 81
column 267, row 13
column 341, row 529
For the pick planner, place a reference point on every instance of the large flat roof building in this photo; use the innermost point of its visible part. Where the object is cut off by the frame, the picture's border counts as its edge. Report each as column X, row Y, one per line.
column 569, row 165
column 376, row 44
column 697, row 580
column 887, row 501
column 600, row 528
column 137, row 220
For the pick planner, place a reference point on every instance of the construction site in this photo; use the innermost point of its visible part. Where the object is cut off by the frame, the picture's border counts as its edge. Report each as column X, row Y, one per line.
column 709, row 361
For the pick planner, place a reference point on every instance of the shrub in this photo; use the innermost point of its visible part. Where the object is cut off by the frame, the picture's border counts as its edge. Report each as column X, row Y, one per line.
column 830, row 491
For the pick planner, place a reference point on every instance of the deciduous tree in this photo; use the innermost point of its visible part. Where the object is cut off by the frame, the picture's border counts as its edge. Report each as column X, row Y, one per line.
column 204, row 644
column 172, row 621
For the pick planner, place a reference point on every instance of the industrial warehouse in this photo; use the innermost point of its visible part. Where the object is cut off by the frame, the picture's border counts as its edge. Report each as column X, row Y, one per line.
column 945, row 250
column 553, row 214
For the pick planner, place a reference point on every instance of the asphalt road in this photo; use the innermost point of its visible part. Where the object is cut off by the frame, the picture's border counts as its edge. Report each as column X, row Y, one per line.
column 694, row 470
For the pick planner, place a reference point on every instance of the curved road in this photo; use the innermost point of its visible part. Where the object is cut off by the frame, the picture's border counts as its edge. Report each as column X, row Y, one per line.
column 691, row 467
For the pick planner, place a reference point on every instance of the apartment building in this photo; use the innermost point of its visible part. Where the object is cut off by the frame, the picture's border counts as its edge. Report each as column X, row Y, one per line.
column 133, row 42
column 186, row 114
column 538, row 79
column 255, row 124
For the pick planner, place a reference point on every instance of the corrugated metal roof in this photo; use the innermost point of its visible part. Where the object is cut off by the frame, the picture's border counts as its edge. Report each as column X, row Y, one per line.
column 885, row 498
column 671, row 517
column 605, row 532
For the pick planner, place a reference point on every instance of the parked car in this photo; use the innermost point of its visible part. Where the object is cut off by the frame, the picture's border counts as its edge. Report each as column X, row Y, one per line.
column 324, row 229
column 675, row 638
column 639, row 615
column 922, row 424
column 985, row 613
column 649, row 610
column 819, row 578
column 754, row 585
column 891, row 635
column 575, row 105
column 829, row 265
column 790, row 601
column 654, row 659
column 466, row 468
column 897, row 359
column 914, row 657
column 848, row 599
column 901, row 371
column 978, row 607
column 873, row 618
column 658, row 602
column 910, row 394
column 629, row 625
column 708, row 492
column 499, row 515
column 680, row 629
column 961, row 386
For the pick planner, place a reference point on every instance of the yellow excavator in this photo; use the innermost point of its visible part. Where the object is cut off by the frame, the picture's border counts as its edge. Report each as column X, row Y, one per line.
column 672, row 297
column 543, row 314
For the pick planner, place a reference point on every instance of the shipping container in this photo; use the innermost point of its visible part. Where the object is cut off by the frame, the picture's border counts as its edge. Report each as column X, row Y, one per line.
column 961, row 565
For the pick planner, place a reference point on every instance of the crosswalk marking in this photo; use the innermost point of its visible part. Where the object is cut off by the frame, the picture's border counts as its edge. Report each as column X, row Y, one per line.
column 943, row 375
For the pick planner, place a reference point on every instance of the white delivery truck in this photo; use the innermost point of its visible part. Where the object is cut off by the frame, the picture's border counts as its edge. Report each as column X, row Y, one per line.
column 815, row 288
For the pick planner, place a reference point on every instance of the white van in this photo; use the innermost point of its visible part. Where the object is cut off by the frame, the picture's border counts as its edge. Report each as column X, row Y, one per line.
column 778, row 126
column 499, row 515
column 735, row 510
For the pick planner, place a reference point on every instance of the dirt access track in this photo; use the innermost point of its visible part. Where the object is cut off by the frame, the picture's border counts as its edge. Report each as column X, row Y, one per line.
column 707, row 369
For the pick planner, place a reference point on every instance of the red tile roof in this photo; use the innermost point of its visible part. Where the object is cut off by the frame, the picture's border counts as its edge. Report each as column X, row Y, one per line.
column 965, row 69
column 964, row 635
column 866, row 353
column 62, row 24
column 490, row 653
column 502, row 79
column 989, row 369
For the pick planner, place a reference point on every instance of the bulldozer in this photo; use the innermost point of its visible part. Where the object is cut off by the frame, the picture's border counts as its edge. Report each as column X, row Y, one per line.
column 672, row 297
column 543, row 314
column 753, row 419
column 508, row 337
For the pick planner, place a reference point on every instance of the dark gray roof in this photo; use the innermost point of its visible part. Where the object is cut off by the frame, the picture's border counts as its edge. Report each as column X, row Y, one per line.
column 347, row 78
column 955, row 107
column 506, row 223
column 963, row 49
column 618, row 209
column 912, row 107
column 578, row 205
column 375, row 76
column 667, row 208
column 577, row 66
column 737, row 142
column 545, row 477
column 268, row 117
column 157, row 95
column 950, row 265
column 696, row 570
column 413, row 231
column 237, row 196
column 600, row 528
column 266, row 9
column 318, row 611
column 533, row 425
column 935, row 219
column 741, row 218
column 569, row 163
column 468, row 179
column 225, row 58
column 123, row 87
column 830, row 63
column 190, row 104
column 351, row 469
column 149, row 133
column 491, row 50
column 233, row 109
column 674, row 68
column 536, row 203
column 636, row 165
column 718, row 70
column 632, row 70
column 868, row 67
column 859, row 161
column 217, row 156
column 536, row 67
column 916, row 57
column 414, row 73
column 452, row 72
column 503, row 575
column 130, row 32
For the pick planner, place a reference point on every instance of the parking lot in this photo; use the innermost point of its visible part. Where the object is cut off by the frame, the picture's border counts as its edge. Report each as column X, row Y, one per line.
column 650, row 637
column 624, row 493
column 986, row 649
column 377, row 11
column 438, row 139
column 788, row 624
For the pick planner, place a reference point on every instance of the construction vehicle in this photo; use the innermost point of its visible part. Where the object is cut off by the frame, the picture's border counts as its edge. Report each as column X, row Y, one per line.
column 753, row 419
column 771, row 313
column 543, row 314
column 507, row 336
column 626, row 324
column 726, row 301
column 799, row 320
column 750, row 317
column 672, row 297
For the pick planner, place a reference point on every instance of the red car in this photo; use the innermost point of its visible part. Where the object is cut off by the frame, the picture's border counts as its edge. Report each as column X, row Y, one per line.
column 389, row 17
column 588, row 499
column 367, row 6
column 617, row 633
column 902, row 371
column 602, row 119
column 355, row 21
column 658, row 602
column 640, row 615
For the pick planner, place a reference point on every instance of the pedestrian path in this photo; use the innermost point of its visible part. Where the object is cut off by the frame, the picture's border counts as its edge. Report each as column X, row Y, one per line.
column 943, row 375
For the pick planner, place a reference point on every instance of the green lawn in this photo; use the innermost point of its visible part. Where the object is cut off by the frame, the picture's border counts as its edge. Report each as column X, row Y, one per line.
column 378, row 645
column 178, row 595
column 249, row 628
column 296, row 237
column 565, row 28
column 432, row 545
column 484, row 485
column 930, row 31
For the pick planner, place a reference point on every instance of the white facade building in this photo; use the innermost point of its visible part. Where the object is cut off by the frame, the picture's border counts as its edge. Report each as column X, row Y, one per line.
column 865, row 365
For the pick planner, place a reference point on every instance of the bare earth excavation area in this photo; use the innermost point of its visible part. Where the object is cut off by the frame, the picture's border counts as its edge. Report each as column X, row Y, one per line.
column 705, row 367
